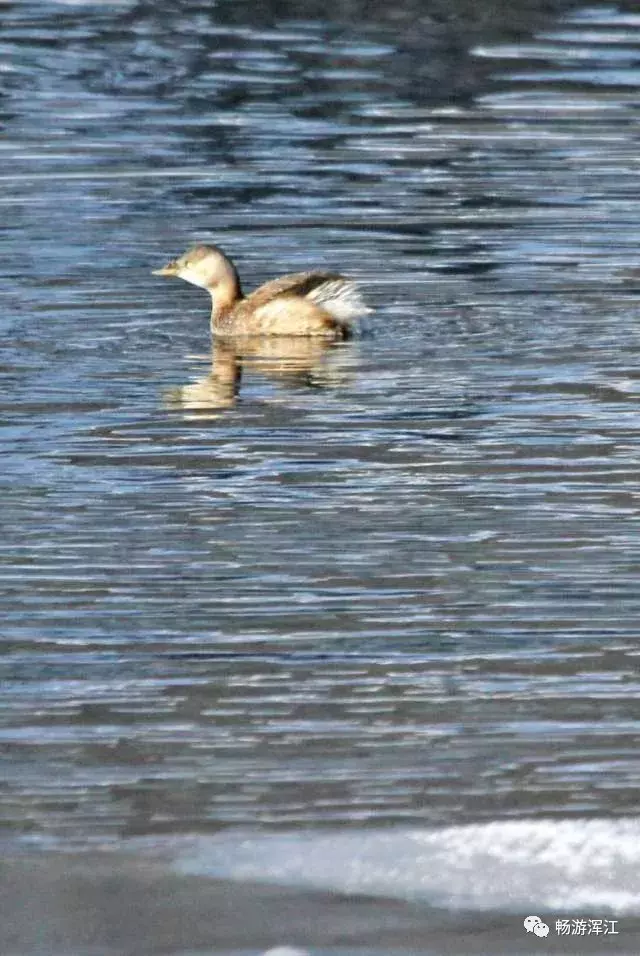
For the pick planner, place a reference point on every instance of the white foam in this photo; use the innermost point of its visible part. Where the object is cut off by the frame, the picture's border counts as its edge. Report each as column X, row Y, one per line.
column 286, row 951
column 591, row 866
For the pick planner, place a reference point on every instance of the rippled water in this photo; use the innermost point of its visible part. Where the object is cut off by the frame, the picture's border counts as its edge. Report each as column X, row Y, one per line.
column 393, row 580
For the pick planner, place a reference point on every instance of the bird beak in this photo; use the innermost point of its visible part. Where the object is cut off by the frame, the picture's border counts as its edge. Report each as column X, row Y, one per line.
column 171, row 269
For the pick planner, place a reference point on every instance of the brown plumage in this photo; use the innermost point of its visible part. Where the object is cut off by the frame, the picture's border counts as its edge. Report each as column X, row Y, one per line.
column 303, row 303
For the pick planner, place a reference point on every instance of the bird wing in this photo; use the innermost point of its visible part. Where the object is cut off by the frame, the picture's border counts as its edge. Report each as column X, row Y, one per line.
column 297, row 283
column 334, row 293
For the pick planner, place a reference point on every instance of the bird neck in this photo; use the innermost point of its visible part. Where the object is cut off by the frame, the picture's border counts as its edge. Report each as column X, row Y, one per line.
column 224, row 298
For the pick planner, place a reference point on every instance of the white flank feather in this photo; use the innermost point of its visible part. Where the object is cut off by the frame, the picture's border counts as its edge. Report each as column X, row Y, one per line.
column 341, row 298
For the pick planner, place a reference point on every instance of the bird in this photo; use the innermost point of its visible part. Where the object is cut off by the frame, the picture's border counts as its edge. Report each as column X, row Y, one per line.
column 302, row 303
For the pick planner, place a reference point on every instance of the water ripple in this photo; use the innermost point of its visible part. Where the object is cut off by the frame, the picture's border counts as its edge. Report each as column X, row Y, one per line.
column 390, row 580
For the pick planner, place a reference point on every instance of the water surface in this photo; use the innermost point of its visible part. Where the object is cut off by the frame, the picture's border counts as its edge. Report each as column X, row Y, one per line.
column 393, row 581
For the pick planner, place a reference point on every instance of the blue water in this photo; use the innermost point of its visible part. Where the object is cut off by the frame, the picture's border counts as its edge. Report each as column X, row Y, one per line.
column 387, row 582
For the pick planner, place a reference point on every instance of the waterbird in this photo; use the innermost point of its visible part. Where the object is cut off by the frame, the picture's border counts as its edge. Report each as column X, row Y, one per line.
column 303, row 303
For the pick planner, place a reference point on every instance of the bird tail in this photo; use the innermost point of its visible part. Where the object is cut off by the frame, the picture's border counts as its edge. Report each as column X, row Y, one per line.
column 341, row 298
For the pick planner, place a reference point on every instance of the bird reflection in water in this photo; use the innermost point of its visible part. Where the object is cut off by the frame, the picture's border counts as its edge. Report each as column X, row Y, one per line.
column 293, row 361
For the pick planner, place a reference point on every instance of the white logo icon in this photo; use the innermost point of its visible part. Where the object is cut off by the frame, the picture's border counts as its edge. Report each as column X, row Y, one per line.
column 533, row 924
